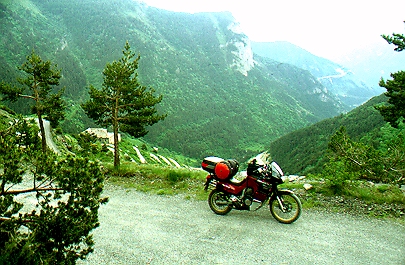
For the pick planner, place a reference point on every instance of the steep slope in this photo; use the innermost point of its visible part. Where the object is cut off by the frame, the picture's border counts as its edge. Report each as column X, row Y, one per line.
column 337, row 79
column 303, row 151
column 220, row 100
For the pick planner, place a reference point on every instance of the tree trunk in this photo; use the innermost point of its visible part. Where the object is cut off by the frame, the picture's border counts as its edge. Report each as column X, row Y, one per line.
column 116, row 146
column 42, row 129
column 115, row 128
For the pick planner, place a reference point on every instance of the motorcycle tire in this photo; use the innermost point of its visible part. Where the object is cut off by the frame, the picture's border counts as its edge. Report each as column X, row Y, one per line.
column 219, row 202
column 292, row 206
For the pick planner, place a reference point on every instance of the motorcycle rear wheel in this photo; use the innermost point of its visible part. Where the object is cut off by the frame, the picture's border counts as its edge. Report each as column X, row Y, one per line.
column 219, row 202
column 292, row 207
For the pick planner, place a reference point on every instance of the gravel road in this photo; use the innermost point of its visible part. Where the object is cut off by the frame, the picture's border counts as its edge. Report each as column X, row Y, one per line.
column 138, row 228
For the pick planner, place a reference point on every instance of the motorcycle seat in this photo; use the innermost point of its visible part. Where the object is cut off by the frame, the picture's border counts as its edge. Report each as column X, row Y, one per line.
column 236, row 181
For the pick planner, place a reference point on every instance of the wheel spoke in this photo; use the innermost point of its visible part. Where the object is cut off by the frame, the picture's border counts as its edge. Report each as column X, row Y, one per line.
column 286, row 208
column 219, row 202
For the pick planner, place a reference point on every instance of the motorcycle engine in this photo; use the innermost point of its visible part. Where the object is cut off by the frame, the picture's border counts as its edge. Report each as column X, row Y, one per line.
column 248, row 196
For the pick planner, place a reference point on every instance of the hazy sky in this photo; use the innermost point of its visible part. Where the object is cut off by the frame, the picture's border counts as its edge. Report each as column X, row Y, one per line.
column 325, row 28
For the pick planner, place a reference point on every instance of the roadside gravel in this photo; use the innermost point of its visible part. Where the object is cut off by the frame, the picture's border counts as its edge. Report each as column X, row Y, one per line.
column 139, row 228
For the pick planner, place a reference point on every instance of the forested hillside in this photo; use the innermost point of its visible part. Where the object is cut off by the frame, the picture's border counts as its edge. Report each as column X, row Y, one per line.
column 220, row 98
column 304, row 151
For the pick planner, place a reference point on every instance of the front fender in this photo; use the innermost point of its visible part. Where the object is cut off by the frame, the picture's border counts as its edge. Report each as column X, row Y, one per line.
column 280, row 192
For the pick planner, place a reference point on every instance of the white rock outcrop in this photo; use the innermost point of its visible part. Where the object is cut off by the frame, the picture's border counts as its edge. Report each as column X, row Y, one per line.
column 243, row 60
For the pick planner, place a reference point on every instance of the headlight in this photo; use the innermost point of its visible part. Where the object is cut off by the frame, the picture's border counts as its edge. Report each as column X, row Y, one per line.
column 276, row 170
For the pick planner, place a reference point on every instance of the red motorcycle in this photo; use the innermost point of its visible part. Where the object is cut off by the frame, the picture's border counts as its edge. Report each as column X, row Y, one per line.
column 251, row 193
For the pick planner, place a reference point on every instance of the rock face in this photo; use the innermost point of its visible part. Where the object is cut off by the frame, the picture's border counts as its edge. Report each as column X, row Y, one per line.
column 243, row 60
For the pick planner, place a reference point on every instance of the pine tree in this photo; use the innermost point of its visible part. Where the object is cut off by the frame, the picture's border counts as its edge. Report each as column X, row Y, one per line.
column 41, row 78
column 395, row 109
column 122, row 102
column 356, row 160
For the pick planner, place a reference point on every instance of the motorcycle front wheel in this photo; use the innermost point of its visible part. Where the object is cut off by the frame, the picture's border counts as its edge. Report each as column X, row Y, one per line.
column 219, row 202
column 285, row 207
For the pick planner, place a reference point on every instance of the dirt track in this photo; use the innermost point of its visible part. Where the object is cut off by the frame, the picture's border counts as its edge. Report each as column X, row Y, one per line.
column 137, row 228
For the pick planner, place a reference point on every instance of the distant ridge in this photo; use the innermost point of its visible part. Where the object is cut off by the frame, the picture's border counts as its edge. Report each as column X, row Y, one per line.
column 339, row 80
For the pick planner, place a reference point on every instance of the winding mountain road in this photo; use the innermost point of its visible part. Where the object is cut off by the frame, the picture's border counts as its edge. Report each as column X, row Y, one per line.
column 341, row 73
column 137, row 228
column 48, row 136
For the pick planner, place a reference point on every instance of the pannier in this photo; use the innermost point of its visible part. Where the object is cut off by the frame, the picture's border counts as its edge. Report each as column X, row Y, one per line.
column 222, row 169
column 209, row 163
column 234, row 166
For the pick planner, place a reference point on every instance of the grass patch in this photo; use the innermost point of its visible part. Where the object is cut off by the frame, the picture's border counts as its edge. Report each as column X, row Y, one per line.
column 291, row 186
column 356, row 196
column 159, row 180
column 375, row 193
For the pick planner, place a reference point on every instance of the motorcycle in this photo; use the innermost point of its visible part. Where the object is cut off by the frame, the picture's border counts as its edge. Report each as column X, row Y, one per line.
column 258, row 188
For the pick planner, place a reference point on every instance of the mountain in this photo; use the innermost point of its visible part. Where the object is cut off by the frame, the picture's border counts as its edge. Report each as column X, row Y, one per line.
column 303, row 151
column 220, row 97
column 373, row 61
column 338, row 80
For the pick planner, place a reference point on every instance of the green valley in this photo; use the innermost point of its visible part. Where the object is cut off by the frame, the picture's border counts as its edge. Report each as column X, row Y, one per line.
column 221, row 99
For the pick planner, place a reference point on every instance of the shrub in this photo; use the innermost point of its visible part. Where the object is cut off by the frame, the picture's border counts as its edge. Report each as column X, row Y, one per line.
column 56, row 228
